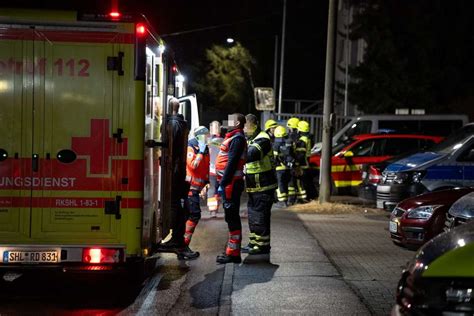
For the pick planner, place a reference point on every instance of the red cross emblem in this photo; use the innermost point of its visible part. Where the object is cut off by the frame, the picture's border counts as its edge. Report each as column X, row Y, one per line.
column 99, row 146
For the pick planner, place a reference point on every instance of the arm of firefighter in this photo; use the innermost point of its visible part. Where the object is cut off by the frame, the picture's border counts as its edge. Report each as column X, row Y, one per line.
column 236, row 148
column 258, row 149
column 300, row 152
column 193, row 159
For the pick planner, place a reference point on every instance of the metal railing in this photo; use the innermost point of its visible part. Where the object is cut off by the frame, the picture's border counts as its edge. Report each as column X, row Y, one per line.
column 315, row 122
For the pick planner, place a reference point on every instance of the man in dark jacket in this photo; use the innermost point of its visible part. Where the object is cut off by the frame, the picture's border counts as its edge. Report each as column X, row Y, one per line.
column 260, row 180
column 230, row 175
column 174, row 169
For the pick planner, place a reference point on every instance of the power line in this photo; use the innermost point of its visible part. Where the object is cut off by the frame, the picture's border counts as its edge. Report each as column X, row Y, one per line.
column 217, row 26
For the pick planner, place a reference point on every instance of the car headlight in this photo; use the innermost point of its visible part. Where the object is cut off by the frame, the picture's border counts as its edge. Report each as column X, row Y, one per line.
column 400, row 178
column 417, row 176
column 422, row 212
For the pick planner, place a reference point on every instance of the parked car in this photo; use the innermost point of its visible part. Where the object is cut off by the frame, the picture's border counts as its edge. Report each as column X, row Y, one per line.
column 436, row 125
column 369, row 149
column 461, row 212
column 416, row 220
column 372, row 176
column 447, row 165
column 439, row 280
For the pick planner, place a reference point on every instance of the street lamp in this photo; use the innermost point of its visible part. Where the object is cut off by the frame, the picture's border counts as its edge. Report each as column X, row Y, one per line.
column 230, row 40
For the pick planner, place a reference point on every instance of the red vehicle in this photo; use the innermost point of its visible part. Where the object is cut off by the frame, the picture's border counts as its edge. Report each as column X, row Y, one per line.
column 416, row 220
column 369, row 149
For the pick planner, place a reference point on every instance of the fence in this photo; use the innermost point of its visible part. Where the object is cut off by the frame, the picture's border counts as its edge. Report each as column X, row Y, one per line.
column 315, row 122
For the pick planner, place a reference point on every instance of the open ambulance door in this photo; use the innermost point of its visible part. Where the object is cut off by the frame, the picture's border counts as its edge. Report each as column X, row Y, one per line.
column 189, row 109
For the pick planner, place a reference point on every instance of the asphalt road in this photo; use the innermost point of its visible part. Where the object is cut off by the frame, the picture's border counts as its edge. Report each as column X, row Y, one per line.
column 317, row 266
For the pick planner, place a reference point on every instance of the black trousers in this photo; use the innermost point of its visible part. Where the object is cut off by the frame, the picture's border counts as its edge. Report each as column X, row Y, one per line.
column 310, row 187
column 193, row 206
column 232, row 206
column 283, row 179
column 259, row 210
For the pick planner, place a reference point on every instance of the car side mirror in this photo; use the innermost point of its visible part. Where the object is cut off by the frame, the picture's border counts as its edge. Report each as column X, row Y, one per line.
column 470, row 156
column 348, row 154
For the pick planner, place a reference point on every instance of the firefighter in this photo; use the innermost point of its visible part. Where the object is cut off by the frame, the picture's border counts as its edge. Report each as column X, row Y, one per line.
column 270, row 126
column 215, row 141
column 293, row 136
column 230, row 175
column 260, row 183
column 197, row 176
column 284, row 160
column 302, row 153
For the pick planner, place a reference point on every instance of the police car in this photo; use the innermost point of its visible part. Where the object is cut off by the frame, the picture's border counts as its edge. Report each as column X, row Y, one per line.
column 447, row 165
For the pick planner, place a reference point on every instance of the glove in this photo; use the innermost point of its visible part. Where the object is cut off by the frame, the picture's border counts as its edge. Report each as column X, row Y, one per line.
column 221, row 192
column 202, row 147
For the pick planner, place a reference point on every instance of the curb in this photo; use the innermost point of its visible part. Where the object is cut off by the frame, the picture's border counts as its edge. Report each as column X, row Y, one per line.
column 225, row 298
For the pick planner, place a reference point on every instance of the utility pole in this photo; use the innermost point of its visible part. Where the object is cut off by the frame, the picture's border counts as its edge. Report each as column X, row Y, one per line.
column 282, row 58
column 325, row 185
column 275, row 68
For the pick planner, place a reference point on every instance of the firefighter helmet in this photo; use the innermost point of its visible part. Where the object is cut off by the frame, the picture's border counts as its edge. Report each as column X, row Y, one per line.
column 270, row 124
column 293, row 122
column 303, row 127
column 280, row 131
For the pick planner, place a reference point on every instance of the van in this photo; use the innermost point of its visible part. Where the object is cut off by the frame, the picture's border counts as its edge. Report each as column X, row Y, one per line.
column 84, row 163
column 433, row 125
column 447, row 165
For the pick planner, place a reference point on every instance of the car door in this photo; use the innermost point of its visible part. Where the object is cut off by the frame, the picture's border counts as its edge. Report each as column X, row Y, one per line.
column 466, row 160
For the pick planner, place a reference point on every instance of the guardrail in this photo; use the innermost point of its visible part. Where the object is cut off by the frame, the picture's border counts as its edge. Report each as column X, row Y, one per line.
column 315, row 122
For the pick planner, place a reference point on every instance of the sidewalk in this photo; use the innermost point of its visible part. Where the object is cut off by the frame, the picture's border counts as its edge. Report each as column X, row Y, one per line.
column 299, row 278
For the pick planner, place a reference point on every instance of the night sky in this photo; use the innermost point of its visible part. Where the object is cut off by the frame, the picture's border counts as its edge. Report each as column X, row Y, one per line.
column 254, row 23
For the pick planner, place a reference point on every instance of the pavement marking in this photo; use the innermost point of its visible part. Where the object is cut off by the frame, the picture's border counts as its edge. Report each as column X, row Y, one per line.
column 148, row 294
column 225, row 300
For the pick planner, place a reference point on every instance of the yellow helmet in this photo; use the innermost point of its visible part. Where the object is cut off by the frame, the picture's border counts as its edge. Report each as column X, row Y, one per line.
column 293, row 122
column 303, row 127
column 270, row 123
column 280, row 131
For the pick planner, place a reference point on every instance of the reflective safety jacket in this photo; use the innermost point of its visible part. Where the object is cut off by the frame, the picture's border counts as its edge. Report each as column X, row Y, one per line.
column 231, row 158
column 259, row 169
column 283, row 153
column 303, row 150
column 197, row 166
column 214, row 146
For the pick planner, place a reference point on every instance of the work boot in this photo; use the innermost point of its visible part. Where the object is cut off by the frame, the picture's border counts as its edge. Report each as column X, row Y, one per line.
column 280, row 204
column 187, row 254
column 259, row 250
column 246, row 249
column 223, row 259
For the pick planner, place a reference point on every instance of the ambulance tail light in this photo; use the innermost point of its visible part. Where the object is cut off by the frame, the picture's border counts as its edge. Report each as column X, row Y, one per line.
column 102, row 255
column 140, row 29
column 115, row 15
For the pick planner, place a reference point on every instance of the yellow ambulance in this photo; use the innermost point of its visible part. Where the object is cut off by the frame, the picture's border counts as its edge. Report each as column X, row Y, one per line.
column 80, row 97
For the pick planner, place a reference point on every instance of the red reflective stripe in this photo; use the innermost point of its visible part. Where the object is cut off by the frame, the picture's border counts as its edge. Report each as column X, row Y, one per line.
column 16, row 174
column 67, row 36
column 66, row 202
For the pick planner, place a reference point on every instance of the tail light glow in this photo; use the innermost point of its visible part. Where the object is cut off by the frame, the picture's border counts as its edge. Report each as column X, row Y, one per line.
column 102, row 255
column 374, row 175
column 115, row 14
column 141, row 30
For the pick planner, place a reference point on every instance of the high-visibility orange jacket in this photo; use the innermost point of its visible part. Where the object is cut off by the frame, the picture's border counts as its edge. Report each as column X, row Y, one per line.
column 197, row 166
column 231, row 159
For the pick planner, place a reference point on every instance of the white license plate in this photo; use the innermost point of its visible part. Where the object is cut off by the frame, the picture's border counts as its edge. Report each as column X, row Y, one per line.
column 393, row 227
column 380, row 204
column 30, row 256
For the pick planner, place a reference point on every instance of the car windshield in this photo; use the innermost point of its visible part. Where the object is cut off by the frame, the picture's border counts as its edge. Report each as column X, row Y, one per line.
column 455, row 141
column 337, row 148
